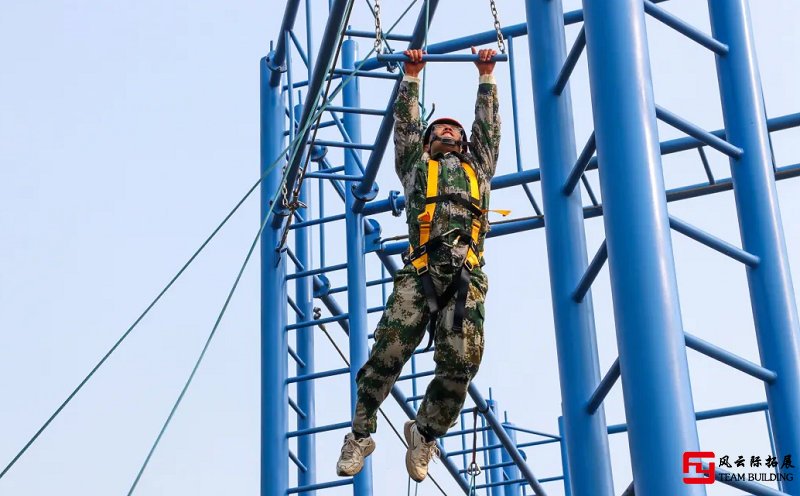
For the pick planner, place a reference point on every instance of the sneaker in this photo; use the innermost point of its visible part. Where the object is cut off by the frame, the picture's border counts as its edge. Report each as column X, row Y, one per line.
column 420, row 452
column 351, row 461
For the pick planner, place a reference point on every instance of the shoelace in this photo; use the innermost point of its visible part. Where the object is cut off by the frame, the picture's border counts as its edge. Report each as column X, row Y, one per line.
column 350, row 446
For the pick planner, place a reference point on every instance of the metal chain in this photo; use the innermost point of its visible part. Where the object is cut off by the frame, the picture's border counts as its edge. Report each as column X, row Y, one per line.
column 376, row 12
column 501, row 44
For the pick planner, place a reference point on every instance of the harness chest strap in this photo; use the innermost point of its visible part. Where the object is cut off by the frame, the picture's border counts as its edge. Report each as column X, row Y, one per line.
column 426, row 217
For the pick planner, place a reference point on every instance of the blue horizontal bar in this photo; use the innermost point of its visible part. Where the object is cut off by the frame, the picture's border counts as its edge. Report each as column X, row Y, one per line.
column 317, row 430
column 321, row 125
column 569, row 63
column 591, row 273
column 580, row 165
column 376, row 282
column 498, row 182
column 312, row 323
column 603, row 388
column 490, row 466
column 727, row 411
column 684, row 28
column 322, row 485
column 342, row 144
column 356, row 110
column 713, row 242
column 371, row 34
column 440, row 57
column 415, row 398
column 529, row 431
column 379, row 308
column 333, row 177
column 314, row 272
column 415, row 376
column 314, row 222
column 697, row 132
column 729, row 358
column 368, row 74
column 297, row 462
column 318, row 375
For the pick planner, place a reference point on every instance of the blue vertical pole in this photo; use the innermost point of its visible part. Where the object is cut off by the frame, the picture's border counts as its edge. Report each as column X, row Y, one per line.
column 495, row 457
column 771, row 292
column 564, row 465
column 356, row 268
column 650, row 340
column 274, row 348
column 576, row 340
column 306, row 445
column 511, row 470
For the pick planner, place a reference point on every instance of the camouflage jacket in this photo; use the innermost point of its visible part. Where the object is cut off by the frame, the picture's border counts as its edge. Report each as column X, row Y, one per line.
column 412, row 169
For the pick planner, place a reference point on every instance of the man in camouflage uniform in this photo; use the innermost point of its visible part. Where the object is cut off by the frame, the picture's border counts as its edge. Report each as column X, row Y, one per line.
column 402, row 327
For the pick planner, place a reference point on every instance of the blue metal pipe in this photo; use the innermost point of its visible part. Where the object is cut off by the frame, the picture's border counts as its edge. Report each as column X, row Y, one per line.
column 511, row 470
column 304, row 299
column 576, row 340
column 495, row 474
column 729, row 358
column 713, row 242
column 707, row 414
column 277, row 58
column 569, row 63
column 505, row 441
column 697, row 132
column 366, row 191
column 650, row 340
column 604, row 387
column 274, row 346
column 446, row 57
column 591, row 272
column 772, row 296
column 564, row 464
column 356, row 267
column 328, row 44
column 580, row 165
column 371, row 34
column 682, row 27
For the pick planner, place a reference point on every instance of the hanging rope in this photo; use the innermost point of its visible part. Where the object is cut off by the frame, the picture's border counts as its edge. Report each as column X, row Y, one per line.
column 474, row 469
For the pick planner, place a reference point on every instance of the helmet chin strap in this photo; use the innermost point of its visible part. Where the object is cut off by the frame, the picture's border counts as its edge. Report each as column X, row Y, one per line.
column 450, row 141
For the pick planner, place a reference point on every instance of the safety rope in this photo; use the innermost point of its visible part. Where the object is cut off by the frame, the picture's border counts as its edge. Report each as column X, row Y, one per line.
column 317, row 315
column 473, row 470
column 141, row 316
column 292, row 148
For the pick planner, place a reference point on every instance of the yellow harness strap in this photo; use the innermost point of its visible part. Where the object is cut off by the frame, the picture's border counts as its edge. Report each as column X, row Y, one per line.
column 426, row 217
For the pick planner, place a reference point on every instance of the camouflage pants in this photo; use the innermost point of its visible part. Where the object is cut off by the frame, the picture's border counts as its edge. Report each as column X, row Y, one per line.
column 400, row 331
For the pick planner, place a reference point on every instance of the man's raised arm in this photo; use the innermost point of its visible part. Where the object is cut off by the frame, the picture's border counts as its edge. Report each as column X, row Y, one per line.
column 407, row 125
column 485, row 139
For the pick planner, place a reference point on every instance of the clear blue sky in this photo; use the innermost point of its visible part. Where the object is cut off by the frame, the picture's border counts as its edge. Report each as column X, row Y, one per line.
column 129, row 129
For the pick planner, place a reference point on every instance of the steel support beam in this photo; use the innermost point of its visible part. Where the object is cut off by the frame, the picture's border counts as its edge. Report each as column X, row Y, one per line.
column 576, row 339
column 356, row 266
column 274, row 347
column 771, row 292
column 650, row 339
column 328, row 44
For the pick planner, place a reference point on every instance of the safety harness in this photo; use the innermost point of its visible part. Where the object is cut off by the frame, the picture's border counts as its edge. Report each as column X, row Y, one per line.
column 418, row 256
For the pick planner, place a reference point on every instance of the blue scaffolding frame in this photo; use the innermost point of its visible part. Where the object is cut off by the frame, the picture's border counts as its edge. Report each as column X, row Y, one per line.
column 638, row 247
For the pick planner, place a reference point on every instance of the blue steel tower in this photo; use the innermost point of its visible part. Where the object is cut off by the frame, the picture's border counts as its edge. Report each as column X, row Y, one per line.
column 624, row 149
